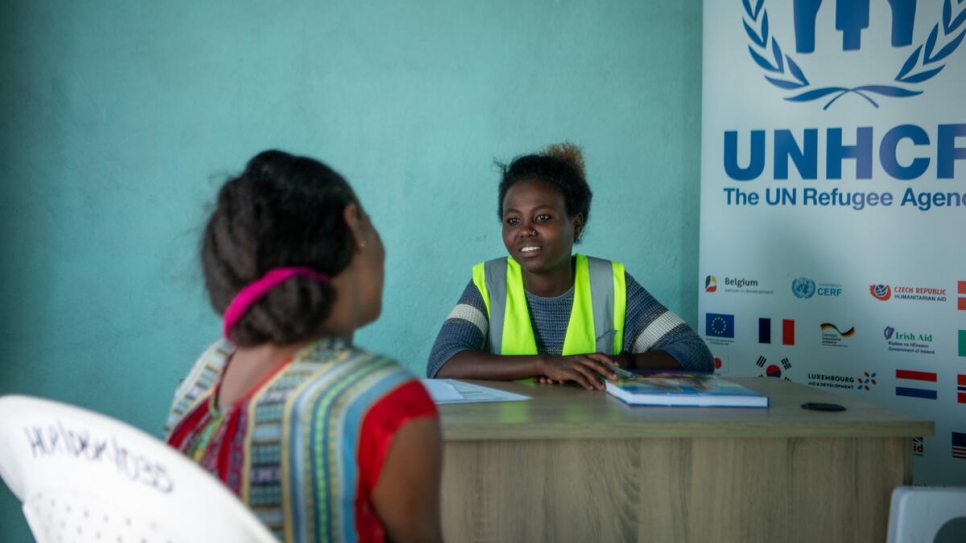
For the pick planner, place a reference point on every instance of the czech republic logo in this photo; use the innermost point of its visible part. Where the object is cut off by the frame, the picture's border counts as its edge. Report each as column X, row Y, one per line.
column 880, row 292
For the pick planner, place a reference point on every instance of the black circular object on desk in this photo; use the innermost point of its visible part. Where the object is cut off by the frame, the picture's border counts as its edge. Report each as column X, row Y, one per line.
column 819, row 406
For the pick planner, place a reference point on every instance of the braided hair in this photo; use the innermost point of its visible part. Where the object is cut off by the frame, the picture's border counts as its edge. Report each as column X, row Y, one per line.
column 282, row 211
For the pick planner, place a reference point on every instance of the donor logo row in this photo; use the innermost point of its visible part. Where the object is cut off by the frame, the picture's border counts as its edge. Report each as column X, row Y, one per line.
column 806, row 288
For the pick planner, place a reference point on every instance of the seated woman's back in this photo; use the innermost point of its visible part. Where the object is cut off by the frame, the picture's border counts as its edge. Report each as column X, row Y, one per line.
column 321, row 439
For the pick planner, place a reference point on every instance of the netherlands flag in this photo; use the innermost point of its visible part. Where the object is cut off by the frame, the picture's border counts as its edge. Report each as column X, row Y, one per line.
column 918, row 378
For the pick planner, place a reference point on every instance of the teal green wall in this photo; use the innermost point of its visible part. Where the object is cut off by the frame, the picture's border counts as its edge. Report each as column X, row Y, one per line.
column 118, row 121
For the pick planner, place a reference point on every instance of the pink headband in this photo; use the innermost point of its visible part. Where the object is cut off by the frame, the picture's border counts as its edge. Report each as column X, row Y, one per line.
column 253, row 292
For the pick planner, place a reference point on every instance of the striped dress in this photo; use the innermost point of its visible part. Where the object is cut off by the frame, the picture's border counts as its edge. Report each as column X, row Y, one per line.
column 305, row 447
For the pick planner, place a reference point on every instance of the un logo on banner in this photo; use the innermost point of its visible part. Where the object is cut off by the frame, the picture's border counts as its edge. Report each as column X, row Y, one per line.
column 803, row 287
column 851, row 18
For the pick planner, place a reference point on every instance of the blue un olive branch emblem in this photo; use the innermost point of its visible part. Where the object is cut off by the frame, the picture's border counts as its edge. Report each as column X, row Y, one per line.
column 923, row 64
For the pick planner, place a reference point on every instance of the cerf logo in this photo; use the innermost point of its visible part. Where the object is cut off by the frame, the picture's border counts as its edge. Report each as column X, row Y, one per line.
column 880, row 292
column 832, row 38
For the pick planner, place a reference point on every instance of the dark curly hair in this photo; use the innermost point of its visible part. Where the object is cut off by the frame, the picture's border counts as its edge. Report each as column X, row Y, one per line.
column 562, row 167
column 282, row 211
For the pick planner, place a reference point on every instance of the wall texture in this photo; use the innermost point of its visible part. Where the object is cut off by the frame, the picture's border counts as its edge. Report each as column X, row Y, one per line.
column 118, row 121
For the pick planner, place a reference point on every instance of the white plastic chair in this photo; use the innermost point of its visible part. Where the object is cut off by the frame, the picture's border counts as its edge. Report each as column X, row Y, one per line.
column 84, row 477
column 919, row 514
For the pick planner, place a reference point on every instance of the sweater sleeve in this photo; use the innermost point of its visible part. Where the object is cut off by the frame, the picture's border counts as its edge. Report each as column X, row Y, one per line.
column 464, row 329
column 649, row 326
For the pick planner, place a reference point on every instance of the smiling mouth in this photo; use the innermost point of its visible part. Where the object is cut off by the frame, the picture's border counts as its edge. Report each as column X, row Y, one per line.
column 529, row 250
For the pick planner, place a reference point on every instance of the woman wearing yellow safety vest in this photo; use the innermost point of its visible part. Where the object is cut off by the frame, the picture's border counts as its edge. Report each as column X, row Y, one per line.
column 549, row 314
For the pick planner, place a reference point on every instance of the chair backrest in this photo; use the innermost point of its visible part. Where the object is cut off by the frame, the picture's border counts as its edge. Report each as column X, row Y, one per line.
column 85, row 477
column 920, row 514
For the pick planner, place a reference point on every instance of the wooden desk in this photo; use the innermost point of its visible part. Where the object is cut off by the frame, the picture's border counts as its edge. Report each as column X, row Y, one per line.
column 573, row 465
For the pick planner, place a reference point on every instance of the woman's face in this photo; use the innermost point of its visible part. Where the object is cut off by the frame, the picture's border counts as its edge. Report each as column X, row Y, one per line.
column 537, row 231
column 372, row 260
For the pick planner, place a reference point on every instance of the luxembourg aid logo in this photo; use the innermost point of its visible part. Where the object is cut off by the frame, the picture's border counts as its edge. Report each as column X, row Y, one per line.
column 918, row 59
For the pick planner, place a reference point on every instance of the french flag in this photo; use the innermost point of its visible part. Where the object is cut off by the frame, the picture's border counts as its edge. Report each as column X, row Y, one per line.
column 918, row 378
column 788, row 331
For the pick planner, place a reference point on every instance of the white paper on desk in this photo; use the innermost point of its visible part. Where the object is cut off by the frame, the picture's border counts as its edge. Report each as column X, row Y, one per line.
column 444, row 391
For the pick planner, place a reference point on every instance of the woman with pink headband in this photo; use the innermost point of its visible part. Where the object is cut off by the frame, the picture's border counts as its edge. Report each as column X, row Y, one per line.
column 321, row 439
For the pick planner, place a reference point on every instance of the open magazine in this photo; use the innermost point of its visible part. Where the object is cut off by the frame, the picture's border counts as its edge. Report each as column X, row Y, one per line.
column 683, row 388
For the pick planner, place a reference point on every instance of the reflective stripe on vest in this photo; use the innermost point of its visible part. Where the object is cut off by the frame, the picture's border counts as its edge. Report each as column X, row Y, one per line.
column 596, row 320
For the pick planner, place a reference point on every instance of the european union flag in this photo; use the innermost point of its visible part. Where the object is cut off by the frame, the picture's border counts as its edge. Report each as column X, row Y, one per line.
column 718, row 325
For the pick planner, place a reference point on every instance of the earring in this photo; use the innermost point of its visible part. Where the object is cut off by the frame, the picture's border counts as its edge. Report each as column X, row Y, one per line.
column 362, row 245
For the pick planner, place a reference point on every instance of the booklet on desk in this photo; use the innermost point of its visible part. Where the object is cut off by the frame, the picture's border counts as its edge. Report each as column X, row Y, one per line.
column 686, row 389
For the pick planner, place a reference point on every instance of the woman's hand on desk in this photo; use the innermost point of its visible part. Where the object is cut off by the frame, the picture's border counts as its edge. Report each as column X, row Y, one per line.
column 583, row 369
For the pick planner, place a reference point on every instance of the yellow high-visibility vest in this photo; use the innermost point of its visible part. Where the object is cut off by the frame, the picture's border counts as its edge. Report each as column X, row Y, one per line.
column 596, row 320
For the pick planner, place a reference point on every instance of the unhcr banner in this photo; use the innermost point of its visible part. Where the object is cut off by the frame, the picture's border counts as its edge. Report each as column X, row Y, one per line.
column 833, row 204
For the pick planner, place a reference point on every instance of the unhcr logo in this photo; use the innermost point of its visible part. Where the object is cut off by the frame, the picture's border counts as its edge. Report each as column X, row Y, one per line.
column 918, row 58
